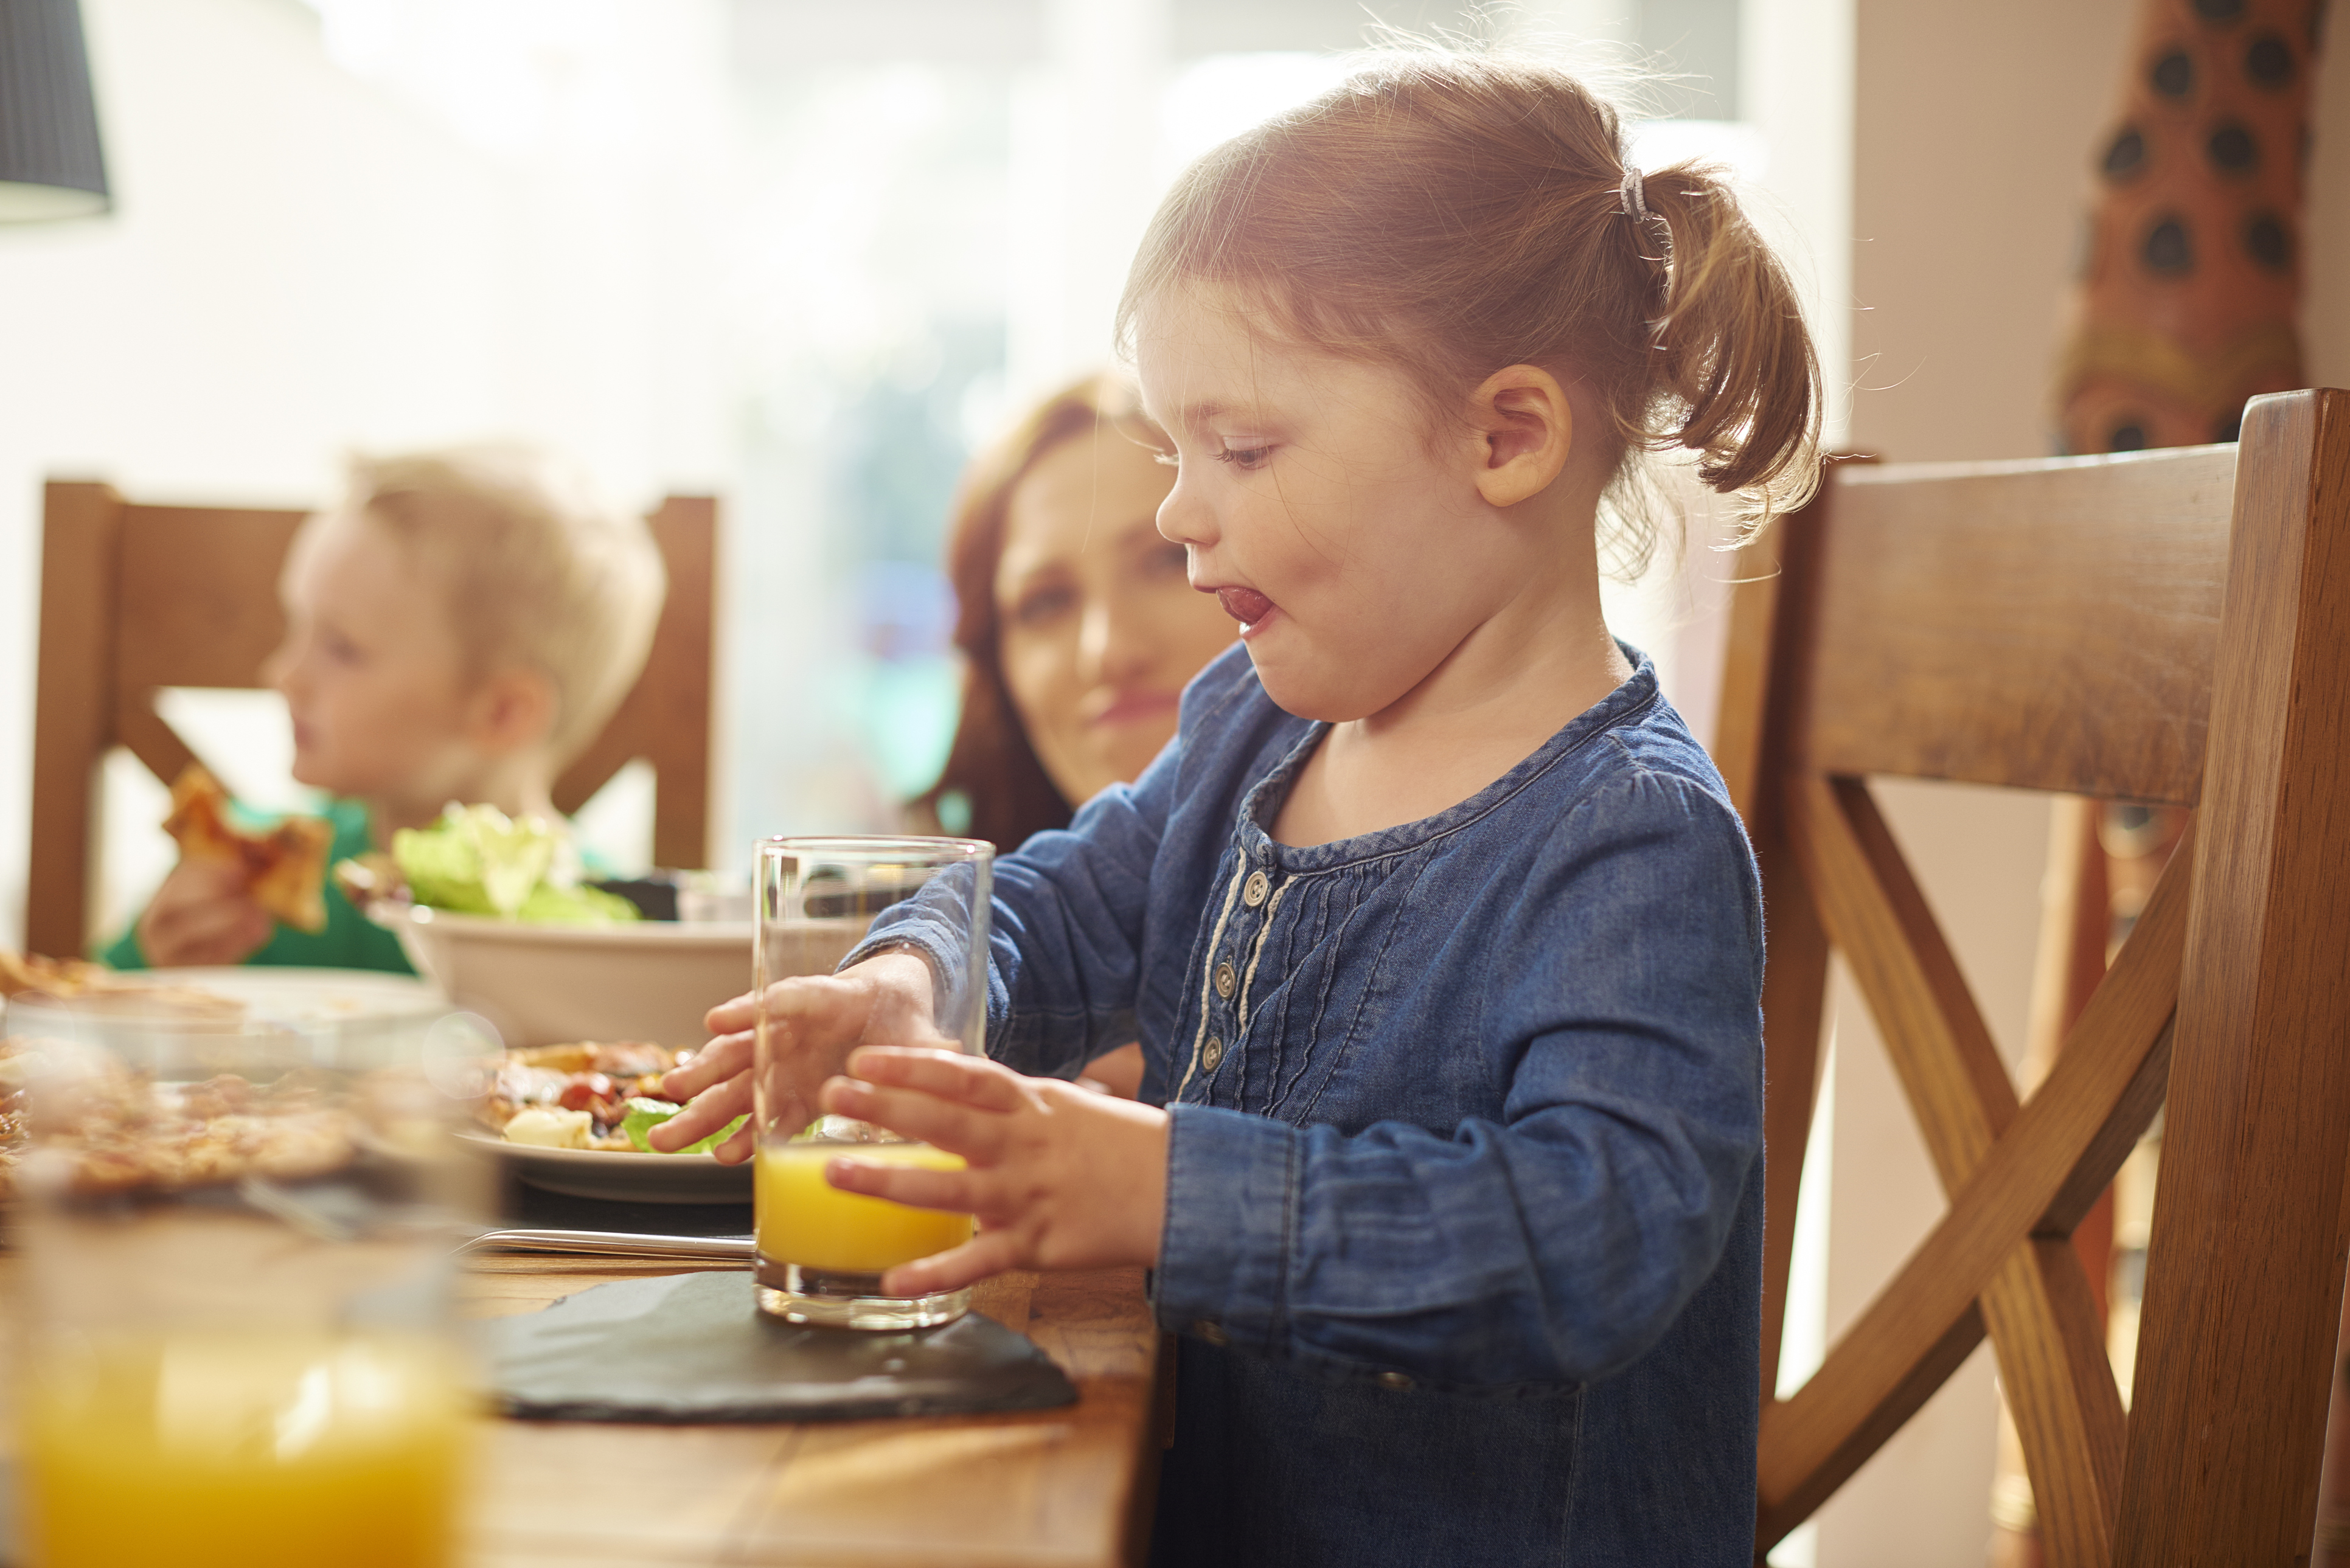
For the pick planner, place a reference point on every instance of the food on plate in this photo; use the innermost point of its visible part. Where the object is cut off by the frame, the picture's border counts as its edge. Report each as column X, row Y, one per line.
column 121, row 1131
column 284, row 866
column 587, row 1096
column 644, row 1114
column 544, row 1127
column 475, row 860
column 36, row 976
column 87, row 984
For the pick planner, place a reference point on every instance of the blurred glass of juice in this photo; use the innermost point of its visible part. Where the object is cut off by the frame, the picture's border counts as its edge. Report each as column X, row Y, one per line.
column 237, row 1345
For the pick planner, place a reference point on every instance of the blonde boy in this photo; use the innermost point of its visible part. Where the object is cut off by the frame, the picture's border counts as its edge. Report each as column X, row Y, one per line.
column 459, row 629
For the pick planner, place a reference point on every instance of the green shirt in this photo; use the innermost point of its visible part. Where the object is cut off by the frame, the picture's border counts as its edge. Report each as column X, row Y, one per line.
column 351, row 941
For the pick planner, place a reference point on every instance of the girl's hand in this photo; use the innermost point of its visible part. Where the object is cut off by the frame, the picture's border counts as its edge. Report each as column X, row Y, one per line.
column 202, row 915
column 1058, row 1176
column 815, row 1021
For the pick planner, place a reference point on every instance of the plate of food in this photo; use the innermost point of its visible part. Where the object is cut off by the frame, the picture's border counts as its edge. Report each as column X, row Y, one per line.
column 133, row 1132
column 327, row 1017
column 573, row 1119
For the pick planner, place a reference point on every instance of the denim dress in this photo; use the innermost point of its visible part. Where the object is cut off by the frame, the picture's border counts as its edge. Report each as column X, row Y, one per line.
column 1463, row 1230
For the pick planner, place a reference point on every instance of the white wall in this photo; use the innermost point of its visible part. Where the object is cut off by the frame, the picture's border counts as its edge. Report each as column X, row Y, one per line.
column 1972, row 134
column 300, row 263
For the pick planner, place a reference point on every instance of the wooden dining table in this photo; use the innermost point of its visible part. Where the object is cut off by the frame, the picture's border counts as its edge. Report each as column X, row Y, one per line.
column 1069, row 1488
column 1066, row 1488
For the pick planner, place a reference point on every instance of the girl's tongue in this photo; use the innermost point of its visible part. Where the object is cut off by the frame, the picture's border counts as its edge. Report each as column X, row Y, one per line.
column 1245, row 605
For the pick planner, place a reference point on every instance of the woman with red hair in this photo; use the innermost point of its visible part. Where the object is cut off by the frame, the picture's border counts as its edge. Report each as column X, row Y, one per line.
column 1077, row 624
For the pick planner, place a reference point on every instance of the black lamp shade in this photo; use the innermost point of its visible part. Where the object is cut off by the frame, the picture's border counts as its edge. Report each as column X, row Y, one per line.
column 50, row 165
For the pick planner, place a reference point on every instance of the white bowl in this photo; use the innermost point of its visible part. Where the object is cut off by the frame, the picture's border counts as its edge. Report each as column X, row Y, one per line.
column 547, row 985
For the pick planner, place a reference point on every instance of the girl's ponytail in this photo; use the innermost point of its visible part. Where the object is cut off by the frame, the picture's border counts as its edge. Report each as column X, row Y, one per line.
column 1733, row 361
column 1457, row 212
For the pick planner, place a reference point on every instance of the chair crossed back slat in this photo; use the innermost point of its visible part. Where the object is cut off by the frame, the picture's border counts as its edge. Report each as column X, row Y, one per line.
column 2169, row 626
column 136, row 597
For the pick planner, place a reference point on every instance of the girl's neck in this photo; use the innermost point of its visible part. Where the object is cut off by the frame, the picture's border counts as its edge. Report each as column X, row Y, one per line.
column 1513, row 683
column 518, row 786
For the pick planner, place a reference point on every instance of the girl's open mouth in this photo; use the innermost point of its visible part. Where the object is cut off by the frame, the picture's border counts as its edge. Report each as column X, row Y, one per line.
column 1245, row 605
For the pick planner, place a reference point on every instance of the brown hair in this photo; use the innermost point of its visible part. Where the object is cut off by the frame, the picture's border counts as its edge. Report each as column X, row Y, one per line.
column 991, row 763
column 1460, row 212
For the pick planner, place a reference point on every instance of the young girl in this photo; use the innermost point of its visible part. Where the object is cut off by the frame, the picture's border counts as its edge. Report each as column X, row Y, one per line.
column 1441, row 939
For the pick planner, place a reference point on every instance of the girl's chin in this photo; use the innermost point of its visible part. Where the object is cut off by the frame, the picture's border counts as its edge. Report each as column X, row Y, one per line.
column 1305, row 698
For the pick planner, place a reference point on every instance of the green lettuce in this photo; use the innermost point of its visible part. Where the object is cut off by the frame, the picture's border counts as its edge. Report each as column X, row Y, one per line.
column 644, row 1114
column 476, row 861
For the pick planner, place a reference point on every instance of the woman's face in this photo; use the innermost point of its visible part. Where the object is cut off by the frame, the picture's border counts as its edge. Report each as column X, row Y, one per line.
column 1100, row 627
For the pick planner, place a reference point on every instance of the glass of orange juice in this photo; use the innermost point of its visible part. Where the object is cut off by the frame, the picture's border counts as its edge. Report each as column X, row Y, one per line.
column 239, row 1240
column 822, row 1252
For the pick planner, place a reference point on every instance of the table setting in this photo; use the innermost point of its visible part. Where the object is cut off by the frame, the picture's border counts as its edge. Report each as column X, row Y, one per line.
column 278, row 1253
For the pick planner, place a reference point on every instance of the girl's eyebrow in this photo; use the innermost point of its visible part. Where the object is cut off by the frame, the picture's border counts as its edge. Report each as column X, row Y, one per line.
column 1199, row 416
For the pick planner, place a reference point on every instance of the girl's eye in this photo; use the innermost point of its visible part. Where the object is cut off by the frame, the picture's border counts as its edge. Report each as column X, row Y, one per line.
column 338, row 647
column 1245, row 458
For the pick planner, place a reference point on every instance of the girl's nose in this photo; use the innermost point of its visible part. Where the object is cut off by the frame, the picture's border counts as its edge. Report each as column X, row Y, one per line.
column 1183, row 520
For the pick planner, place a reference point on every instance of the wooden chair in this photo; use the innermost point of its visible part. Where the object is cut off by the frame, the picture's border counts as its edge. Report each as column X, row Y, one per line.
column 2167, row 627
column 136, row 597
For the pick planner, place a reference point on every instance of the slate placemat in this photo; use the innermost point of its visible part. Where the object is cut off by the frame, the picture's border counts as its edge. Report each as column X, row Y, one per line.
column 695, row 1349
column 520, row 1204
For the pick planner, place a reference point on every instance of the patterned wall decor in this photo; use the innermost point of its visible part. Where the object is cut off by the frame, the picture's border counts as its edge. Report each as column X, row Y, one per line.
column 2191, row 270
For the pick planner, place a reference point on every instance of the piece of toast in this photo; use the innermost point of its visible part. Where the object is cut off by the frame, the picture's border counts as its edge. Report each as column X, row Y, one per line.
column 284, row 866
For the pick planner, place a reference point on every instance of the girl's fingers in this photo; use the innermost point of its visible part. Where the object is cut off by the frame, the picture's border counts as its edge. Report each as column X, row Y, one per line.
column 722, row 1059
column 984, row 1255
column 738, row 1149
column 950, row 1075
column 908, row 1184
column 704, row 1115
column 732, row 1015
column 976, row 1134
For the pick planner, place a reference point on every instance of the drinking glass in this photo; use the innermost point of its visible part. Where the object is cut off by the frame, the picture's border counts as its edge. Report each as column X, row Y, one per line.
column 822, row 1252
column 238, row 1344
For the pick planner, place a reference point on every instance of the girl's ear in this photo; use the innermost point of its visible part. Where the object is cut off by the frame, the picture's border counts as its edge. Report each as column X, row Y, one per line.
column 1524, row 428
column 511, row 711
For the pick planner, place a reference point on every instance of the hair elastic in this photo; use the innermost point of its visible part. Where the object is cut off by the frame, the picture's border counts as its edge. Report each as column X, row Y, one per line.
column 1629, row 195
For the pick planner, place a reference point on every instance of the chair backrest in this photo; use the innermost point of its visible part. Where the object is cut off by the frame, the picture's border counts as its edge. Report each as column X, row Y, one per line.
column 2166, row 627
column 137, row 597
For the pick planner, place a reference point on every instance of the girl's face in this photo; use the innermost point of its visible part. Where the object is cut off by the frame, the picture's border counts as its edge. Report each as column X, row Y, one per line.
column 370, row 669
column 1100, row 630
column 1317, row 505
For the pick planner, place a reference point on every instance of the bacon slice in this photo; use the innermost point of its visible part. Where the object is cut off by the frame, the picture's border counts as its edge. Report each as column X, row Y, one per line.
column 284, row 866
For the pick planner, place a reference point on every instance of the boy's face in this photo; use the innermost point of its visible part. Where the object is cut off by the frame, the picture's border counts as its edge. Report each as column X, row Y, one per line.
column 372, row 671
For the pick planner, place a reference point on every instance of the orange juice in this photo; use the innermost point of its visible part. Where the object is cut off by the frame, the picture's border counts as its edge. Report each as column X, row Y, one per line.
column 242, row 1449
column 804, row 1219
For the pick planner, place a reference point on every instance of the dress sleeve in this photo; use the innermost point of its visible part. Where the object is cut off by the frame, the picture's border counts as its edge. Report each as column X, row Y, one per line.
column 1065, row 929
column 1558, row 1241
